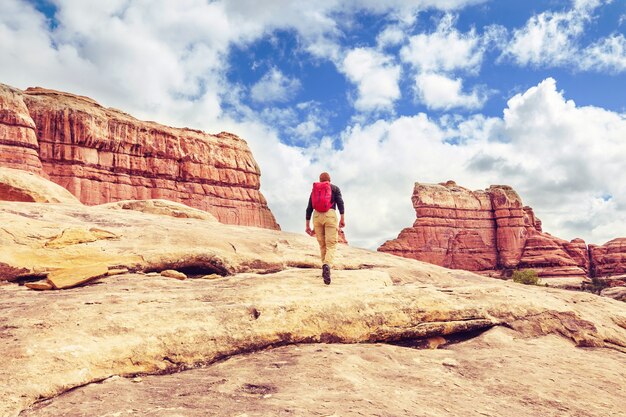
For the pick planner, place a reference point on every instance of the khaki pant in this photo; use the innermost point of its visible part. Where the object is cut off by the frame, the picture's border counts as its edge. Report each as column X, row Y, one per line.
column 325, row 226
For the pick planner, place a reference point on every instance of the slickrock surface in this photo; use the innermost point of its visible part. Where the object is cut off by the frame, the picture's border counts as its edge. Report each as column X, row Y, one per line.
column 495, row 374
column 18, row 185
column 271, row 294
column 103, row 155
column 492, row 232
column 161, row 207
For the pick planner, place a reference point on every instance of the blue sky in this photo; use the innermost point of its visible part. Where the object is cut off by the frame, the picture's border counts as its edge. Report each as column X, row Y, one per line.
column 379, row 93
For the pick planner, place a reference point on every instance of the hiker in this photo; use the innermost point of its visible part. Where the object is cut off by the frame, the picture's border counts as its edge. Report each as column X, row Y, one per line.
column 324, row 199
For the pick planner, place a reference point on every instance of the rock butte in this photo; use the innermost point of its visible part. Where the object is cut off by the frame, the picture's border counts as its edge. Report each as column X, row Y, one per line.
column 492, row 232
column 270, row 294
column 103, row 155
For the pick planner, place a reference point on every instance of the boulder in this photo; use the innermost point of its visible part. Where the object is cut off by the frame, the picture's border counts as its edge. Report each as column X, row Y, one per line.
column 18, row 185
column 172, row 273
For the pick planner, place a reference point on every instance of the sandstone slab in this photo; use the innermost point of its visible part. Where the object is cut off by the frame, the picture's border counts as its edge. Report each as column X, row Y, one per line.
column 480, row 376
column 42, row 285
column 68, row 278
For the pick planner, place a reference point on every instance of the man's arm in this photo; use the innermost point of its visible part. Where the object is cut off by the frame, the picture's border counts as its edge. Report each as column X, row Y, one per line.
column 339, row 201
column 309, row 212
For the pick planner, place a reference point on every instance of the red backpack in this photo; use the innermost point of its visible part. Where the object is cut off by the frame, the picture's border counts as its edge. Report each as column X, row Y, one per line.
column 321, row 196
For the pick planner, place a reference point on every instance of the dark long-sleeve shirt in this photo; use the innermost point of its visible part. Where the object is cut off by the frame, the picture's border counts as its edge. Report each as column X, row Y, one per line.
column 335, row 199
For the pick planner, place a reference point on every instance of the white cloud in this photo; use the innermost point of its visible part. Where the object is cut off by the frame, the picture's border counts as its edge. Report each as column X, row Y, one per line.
column 376, row 77
column 552, row 39
column 440, row 92
column 391, row 36
column 547, row 38
column 274, row 86
column 608, row 54
column 445, row 50
column 555, row 154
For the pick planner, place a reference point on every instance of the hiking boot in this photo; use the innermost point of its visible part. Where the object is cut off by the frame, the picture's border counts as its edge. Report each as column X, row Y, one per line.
column 326, row 273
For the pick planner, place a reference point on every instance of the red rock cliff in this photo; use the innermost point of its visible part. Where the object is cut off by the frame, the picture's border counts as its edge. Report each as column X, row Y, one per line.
column 103, row 155
column 609, row 259
column 18, row 140
column 484, row 231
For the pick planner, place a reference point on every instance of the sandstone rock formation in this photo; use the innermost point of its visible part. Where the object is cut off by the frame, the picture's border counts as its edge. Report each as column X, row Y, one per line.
column 488, row 231
column 609, row 260
column 19, row 147
column 103, row 155
column 270, row 293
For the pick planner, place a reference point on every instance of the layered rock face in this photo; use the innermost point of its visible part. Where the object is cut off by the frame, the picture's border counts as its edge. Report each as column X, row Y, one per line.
column 454, row 228
column 103, row 155
column 18, row 141
column 609, row 259
column 488, row 231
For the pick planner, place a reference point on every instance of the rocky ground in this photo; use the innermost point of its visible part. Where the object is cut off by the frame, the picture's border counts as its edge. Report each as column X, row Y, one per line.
column 264, row 336
column 494, row 374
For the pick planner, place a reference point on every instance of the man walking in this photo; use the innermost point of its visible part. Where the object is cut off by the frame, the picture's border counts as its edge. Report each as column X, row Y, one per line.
column 323, row 203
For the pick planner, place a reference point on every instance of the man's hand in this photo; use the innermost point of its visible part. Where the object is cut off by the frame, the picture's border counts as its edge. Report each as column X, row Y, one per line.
column 342, row 222
column 308, row 229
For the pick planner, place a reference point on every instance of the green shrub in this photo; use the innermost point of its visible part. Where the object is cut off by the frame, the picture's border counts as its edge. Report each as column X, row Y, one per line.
column 526, row 277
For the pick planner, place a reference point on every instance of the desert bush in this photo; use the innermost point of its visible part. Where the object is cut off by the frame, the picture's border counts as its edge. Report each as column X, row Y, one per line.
column 526, row 277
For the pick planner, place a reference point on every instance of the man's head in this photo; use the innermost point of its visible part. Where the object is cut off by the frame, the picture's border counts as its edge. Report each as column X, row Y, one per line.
column 324, row 177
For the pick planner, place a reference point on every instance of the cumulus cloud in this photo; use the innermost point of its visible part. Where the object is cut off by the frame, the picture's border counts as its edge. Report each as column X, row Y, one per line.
column 552, row 39
column 555, row 153
column 376, row 77
column 440, row 92
column 444, row 50
column 547, row 38
column 391, row 36
column 274, row 86
column 608, row 54
column 435, row 58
